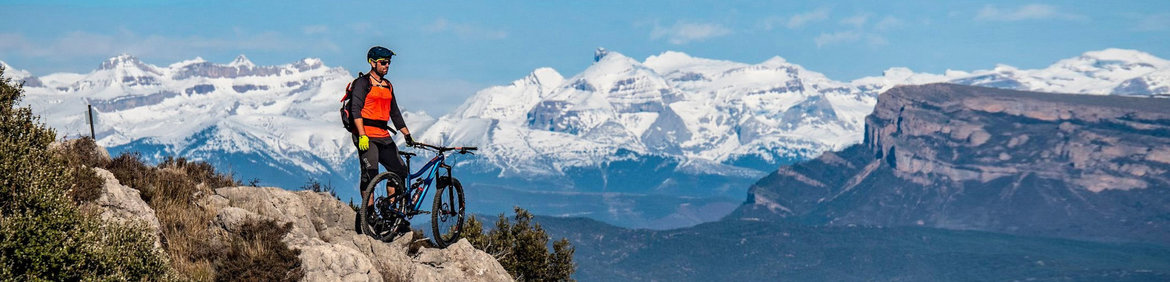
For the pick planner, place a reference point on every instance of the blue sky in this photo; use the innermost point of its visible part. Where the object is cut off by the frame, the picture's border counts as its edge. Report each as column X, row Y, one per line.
column 449, row 49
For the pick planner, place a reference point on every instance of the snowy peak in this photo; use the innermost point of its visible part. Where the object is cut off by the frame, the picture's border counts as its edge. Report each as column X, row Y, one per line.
column 307, row 64
column 12, row 73
column 241, row 61
column 775, row 61
column 671, row 62
column 511, row 102
column 1123, row 56
column 21, row 76
column 544, row 76
column 599, row 53
column 185, row 63
column 1095, row 72
column 128, row 63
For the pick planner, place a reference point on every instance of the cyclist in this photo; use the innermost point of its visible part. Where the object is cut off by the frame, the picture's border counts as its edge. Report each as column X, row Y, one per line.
column 373, row 96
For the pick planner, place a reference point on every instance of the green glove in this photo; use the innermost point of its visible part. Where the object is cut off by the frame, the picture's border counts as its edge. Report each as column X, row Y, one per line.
column 363, row 143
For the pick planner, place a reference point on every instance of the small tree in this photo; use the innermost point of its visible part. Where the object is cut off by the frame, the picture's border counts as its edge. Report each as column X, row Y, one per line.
column 44, row 235
column 522, row 248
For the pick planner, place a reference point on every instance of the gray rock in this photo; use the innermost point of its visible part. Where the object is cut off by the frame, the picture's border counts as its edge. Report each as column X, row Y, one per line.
column 122, row 204
column 332, row 251
column 961, row 157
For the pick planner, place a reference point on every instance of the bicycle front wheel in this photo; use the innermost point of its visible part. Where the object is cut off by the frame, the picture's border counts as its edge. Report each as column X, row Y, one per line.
column 447, row 212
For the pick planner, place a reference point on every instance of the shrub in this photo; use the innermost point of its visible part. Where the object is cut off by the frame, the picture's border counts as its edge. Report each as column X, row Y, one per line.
column 256, row 253
column 174, row 190
column 43, row 234
column 522, row 248
column 78, row 156
column 316, row 186
column 199, row 172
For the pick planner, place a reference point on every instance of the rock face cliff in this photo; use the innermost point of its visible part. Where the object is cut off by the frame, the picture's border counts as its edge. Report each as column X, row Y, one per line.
column 322, row 229
column 963, row 157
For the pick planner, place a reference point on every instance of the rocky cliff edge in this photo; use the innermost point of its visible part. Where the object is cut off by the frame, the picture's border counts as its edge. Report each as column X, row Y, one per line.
column 322, row 229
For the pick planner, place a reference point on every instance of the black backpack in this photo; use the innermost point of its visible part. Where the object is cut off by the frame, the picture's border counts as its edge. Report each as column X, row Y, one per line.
column 346, row 116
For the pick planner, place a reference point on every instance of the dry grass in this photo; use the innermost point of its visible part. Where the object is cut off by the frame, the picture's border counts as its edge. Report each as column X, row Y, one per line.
column 174, row 189
column 173, row 193
column 78, row 156
column 256, row 253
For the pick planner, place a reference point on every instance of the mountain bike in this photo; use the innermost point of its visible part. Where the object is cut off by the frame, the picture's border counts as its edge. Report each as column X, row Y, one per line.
column 392, row 213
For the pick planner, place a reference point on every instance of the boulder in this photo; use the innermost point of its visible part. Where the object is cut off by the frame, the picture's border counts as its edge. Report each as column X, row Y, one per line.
column 332, row 251
column 122, row 204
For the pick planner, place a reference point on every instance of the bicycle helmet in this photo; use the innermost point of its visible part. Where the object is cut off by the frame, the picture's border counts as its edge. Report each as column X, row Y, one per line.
column 379, row 52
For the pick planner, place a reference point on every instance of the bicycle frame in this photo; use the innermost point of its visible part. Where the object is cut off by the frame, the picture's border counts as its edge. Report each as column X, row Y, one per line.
column 430, row 172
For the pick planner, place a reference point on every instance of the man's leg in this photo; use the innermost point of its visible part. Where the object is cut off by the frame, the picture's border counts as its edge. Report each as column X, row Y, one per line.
column 369, row 169
column 393, row 163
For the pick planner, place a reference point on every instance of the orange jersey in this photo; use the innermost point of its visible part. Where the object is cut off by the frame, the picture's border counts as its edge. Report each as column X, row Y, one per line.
column 377, row 110
column 378, row 107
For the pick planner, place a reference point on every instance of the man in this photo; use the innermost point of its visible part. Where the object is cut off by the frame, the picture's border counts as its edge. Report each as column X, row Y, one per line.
column 373, row 97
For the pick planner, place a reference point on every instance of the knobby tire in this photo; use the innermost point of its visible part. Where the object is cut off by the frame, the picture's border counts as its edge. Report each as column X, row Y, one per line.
column 448, row 209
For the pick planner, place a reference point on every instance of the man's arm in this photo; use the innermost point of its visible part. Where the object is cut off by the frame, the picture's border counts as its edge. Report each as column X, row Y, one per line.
column 360, row 88
column 396, row 115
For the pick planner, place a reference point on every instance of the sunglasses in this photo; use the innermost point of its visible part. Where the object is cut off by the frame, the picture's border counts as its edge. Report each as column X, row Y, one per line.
column 382, row 61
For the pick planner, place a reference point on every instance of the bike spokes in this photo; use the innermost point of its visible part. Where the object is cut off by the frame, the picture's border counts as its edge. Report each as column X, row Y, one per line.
column 447, row 212
column 381, row 219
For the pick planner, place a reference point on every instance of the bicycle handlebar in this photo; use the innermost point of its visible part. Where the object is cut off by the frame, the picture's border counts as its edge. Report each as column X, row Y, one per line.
column 462, row 150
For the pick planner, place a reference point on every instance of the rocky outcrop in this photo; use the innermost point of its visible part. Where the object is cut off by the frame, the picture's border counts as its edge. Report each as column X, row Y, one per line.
column 332, row 251
column 322, row 229
column 122, row 204
column 962, row 157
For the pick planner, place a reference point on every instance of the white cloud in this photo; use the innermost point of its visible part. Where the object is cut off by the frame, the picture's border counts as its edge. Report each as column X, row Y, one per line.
column 857, row 21
column 683, row 32
column 800, row 20
column 78, row 44
column 315, row 29
column 1026, row 12
column 465, row 31
column 837, row 37
column 850, row 36
column 887, row 23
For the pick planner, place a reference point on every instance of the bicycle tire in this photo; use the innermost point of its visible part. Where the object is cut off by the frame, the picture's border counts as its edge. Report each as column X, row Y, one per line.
column 447, row 208
column 379, row 225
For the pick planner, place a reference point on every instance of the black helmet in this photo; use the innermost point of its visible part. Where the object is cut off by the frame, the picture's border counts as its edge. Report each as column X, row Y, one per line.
column 379, row 52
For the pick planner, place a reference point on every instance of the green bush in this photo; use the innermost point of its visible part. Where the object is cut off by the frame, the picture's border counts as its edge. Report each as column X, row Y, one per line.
column 79, row 156
column 43, row 233
column 522, row 248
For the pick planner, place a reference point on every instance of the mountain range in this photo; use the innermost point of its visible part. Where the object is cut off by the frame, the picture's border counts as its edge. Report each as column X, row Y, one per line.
column 669, row 141
column 951, row 182
column 972, row 158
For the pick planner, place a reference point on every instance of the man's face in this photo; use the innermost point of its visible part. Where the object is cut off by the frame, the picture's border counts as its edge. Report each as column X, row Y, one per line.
column 380, row 66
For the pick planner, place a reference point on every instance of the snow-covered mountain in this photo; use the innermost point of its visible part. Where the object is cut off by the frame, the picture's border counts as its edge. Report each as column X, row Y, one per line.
column 724, row 117
column 672, row 129
column 713, row 116
column 275, row 123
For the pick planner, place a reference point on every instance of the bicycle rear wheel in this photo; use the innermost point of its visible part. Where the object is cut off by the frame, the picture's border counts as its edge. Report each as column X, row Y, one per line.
column 381, row 220
column 447, row 212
